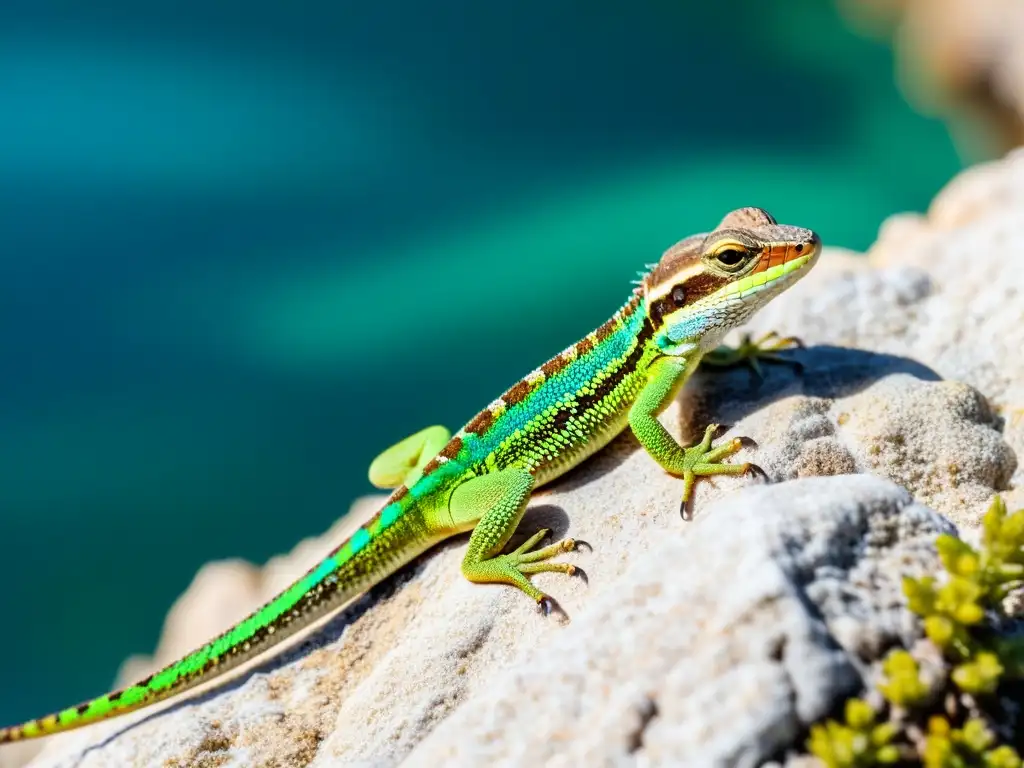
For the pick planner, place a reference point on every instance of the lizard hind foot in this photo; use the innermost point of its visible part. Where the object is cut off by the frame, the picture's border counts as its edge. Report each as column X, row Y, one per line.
column 514, row 568
column 503, row 497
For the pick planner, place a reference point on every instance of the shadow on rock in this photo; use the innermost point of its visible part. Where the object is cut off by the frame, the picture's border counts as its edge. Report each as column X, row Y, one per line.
column 826, row 372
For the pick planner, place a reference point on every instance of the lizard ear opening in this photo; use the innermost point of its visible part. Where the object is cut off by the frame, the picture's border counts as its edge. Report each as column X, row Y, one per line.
column 747, row 218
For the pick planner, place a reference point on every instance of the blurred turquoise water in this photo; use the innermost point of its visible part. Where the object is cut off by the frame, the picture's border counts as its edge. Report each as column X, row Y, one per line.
column 243, row 253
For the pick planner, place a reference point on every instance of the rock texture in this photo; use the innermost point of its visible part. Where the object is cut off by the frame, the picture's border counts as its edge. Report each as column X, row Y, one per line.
column 941, row 296
column 713, row 642
column 718, row 647
column 958, row 57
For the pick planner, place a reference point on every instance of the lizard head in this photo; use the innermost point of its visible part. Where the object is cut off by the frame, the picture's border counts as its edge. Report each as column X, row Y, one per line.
column 707, row 284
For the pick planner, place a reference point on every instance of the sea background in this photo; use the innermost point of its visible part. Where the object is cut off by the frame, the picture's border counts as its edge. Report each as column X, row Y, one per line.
column 244, row 247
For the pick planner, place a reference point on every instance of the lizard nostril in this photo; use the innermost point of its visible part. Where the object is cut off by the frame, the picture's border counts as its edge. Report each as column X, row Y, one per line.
column 799, row 247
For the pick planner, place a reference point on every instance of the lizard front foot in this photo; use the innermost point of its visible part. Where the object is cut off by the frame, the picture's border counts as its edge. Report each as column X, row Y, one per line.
column 752, row 353
column 703, row 460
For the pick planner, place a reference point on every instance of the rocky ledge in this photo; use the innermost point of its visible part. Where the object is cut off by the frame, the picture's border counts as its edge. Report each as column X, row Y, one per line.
column 712, row 642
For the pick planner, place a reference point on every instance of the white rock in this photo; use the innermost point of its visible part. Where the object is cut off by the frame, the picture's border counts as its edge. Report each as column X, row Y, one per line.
column 717, row 647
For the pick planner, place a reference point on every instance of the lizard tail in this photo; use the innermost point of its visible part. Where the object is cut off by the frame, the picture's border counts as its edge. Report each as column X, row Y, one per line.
column 258, row 632
column 362, row 560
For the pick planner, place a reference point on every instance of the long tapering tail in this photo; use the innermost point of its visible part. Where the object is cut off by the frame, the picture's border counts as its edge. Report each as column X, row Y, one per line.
column 375, row 550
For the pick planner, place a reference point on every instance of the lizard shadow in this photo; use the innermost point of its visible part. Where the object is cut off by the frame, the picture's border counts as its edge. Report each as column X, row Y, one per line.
column 331, row 629
column 825, row 371
column 540, row 516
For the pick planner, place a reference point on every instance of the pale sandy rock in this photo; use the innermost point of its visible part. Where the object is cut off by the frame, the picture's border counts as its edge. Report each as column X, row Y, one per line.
column 988, row 189
column 367, row 693
column 856, row 412
column 222, row 593
column 18, row 755
column 718, row 647
column 971, row 247
column 944, row 299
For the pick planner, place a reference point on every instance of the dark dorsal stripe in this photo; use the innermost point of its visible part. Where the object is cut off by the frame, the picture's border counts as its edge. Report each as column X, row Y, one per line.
column 628, row 366
column 692, row 290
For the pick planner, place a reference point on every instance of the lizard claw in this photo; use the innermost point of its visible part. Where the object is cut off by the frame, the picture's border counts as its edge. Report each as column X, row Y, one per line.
column 756, row 471
column 686, row 508
column 548, row 606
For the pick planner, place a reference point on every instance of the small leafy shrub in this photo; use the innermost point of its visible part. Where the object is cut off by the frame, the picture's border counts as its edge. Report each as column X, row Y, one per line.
column 950, row 723
column 859, row 742
column 948, row 747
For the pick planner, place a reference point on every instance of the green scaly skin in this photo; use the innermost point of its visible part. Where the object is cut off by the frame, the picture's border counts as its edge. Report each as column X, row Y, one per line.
column 480, row 480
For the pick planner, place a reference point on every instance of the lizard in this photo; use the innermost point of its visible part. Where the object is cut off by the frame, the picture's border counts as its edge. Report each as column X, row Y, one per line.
column 624, row 373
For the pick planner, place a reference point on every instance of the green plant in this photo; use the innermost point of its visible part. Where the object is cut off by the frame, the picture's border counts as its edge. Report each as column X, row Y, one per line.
column 948, row 747
column 977, row 583
column 902, row 685
column 857, row 743
column 963, row 617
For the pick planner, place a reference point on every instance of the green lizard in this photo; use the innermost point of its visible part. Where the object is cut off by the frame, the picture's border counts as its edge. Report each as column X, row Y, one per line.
column 625, row 372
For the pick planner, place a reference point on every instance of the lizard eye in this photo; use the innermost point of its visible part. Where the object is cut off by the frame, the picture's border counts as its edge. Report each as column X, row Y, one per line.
column 729, row 257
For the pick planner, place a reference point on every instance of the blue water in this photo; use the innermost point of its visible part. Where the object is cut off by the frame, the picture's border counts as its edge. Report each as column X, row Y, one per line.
column 245, row 247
